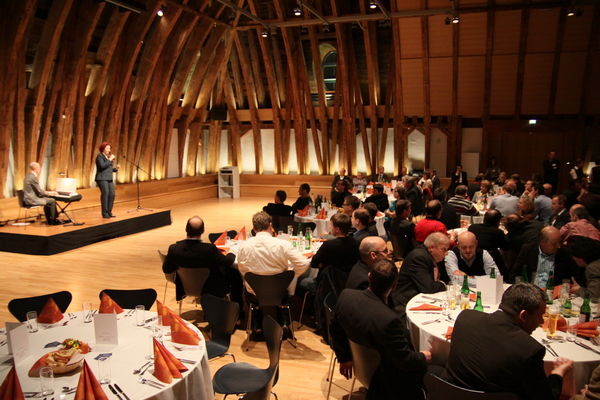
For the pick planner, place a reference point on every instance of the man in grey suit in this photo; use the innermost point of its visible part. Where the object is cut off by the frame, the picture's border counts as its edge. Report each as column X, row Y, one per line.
column 34, row 195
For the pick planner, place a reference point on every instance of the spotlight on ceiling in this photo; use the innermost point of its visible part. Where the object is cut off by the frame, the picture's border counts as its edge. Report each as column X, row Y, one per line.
column 455, row 19
column 533, row 122
column 372, row 5
column 264, row 34
column 574, row 12
column 161, row 11
column 297, row 11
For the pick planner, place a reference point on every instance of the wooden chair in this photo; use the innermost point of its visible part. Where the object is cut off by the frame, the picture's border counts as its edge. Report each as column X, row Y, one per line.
column 365, row 360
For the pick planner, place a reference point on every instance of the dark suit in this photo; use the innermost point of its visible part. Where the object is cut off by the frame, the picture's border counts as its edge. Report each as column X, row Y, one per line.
column 380, row 200
column 192, row 253
column 358, row 278
column 416, row 276
column 525, row 232
column 560, row 220
column 339, row 178
column 104, row 180
column 564, row 266
column 34, row 195
column 337, row 198
column 456, row 180
column 415, row 197
column 300, row 204
column 402, row 236
column 435, row 182
column 380, row 178
column 365, row 319
column 341, row 253
column 449, row 217
column 490, row 352
column 278, row 209
column 360, row 235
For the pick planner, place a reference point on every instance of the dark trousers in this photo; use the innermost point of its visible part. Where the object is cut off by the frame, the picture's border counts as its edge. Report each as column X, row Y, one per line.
column 50, row 209
column 107, row 197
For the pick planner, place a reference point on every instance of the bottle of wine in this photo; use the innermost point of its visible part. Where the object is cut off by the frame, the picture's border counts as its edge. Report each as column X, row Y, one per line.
column 585, row 313
column 493, row 273
column 478, row 305
column 465, row 286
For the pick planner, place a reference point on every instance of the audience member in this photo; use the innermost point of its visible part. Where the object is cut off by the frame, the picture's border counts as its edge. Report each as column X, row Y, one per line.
column 278, row 207
column 467, row 258
column 350, row 204
column 491, row 237
column 380, row 176
column 580, row 225
column 492, row 172
column 560, row 215
column 303, row 200
column 484, row 194
column 551, row 170
column 501, row 179
column 542, row 204
column 459, row 177
column 340, row 192
column 573, row 192
column 595, row 173
column 586, row 254
column 547, row 190
column 461, row 204
column 431, row 223
column 449, row 216
column 577, row 171
column 360, row 221
column 365, row 318
column 399, row 194
column 519, row 232
column 340, row 176
column 519, row 187
column 414, row 195
column 591, row 201
column 474, row 186
column 528, row 188
column 372, row 227
column 424, row 179
column 379, row 198
column 371, row 250
column 402, row 230
column 34, row 195
column 435, row 180
column 359, row 182
column 496, row 353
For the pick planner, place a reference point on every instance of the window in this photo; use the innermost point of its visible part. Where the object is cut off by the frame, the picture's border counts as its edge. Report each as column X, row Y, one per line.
column 329, row 70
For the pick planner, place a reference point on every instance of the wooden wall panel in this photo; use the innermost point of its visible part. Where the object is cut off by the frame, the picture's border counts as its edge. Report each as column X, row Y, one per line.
column 440, row 70
column 472, row 34
column 577, row 31
column 440, row 37
column 412, row 88
column 542, row 30
column 507, row 32
column 470, row 85
column 504, row 81
column 536, row 83
column 569, row 85
column 593, row 99
column 409, row 4
column 411, row 38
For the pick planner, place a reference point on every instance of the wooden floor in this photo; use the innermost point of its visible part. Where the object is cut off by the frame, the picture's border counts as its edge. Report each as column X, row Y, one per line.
column 132, row 262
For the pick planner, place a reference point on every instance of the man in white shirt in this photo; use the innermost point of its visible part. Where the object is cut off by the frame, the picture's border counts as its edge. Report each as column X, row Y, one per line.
column 267, row 255
column 468, row 259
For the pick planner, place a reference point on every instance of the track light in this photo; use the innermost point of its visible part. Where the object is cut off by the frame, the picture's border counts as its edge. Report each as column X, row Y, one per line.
column 161, row 11
column 297, row 11
column 455, row 19
column 574, row 12
column 264, row 34
column 372, row 5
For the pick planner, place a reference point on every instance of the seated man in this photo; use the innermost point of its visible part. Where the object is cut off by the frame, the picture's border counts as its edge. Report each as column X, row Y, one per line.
column 365, row 318
column 580, row 225
column 560, row 214
column 192, row 252
column 304, row 199
column 371, row 250
column 449, row 217
column 431, row 223
column 360, row 221
column 419, row 272
column 496, row 353
column 340, row 176
column 350, row 204
column 461, row 204
column 34, row 195
column 544, row 256
column 490, row 237
column 379, row 198
column 542, row 204
column 484, row 194
column 505, row 202
column 278, row 208
column 359, row 182
column 340, row 193
column 380, row 176
column 467, row 258
column 414, row 195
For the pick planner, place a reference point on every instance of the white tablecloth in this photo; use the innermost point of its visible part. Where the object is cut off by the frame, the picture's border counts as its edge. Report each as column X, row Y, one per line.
column 322, row 225
column 432, row 337
column 134, row 345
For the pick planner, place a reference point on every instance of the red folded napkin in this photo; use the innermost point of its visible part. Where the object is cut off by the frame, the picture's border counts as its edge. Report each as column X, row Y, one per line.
column 380, row 214
column 584, row 329
column 164, row 312
column 11, row 387
column 426, row 307
column 221, row 240
column 181, row 333
column 322, row 214
column 88, row 387
column 241, row 235
column 448, row 333
column 50, row 313
column 303, row 212
column 308, row 255
column 472, row 297
column 108, row 305
column 557, row 291
column 166, row 365
column 34, row 371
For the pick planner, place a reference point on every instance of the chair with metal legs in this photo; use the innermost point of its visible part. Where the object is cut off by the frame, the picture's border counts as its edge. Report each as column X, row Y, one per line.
column 365, row 361
column 221, row 315
column 20, row 307
column 439, row 389
column 169, row 278
column 192, row 280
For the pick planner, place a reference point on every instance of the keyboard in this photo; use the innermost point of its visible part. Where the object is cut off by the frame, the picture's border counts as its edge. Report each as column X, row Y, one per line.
column 67, row 197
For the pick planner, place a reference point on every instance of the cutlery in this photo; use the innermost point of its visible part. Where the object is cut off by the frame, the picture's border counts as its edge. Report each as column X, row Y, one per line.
column 31, row 394
column 112, row 389
column 122, row 392
column 431, row 298
column 2, row 343
column 137, row 371
column 550, row 349
column 149, row 320
column 146, row 368
column 150, row 383
column 68, row 389
column 183, row 360
column 424, row 323
column 585, row 346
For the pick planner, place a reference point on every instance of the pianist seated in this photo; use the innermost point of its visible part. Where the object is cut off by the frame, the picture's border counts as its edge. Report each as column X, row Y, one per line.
column 33, row 195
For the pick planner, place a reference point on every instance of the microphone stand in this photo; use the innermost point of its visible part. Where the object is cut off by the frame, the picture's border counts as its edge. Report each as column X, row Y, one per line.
column 137, row 184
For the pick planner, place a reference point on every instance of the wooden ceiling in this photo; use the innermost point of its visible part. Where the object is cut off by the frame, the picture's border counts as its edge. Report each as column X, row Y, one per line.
column 78, row 72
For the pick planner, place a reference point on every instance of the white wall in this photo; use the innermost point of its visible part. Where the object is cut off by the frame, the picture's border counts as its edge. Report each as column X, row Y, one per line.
column 416, row 150
column 267, row 138
column 471, row 150
column 172, row 166
column 224, row 150
column 438, row 151
column 247, row 150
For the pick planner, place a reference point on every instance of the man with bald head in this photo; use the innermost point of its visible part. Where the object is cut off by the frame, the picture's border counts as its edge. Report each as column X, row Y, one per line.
column 371, row 250
column 543, row 257
column 192, row 252
column 468, row 259
column 34, row 195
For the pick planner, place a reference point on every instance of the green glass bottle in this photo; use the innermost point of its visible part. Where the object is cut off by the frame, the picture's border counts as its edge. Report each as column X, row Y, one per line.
column 550, row 288
column 524, row 275
column 585, row 314
column 478, row 304
column 308, row 239
column 465, row 286
column 567, row 307
column 493, row 273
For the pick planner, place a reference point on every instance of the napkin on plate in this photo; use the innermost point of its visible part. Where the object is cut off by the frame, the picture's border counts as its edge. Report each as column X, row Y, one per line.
column 241, row 235
column 88, row 387
column 108, row 305
column 181, row 333
column 426, row 307
column 221, row 240
column 322, row 214
column 448, row 333
column 166, row 365
column 303, row 212
column 50, row 313
column 11, row 387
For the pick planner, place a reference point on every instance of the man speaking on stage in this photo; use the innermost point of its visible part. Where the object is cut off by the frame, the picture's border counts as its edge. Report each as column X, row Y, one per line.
column 104, row 178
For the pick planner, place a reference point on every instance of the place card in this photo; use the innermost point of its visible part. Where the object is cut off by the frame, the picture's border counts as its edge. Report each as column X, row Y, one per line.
column 18, row 341
column 105, row 329
column 491, row 289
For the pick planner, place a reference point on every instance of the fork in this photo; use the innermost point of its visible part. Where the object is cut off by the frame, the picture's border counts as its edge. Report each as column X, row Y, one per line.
column 431, row 322
column 137, row 371
column 150, row 383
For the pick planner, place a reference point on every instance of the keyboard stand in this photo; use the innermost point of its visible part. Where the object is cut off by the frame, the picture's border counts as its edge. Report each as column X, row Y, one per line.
column 63, row 210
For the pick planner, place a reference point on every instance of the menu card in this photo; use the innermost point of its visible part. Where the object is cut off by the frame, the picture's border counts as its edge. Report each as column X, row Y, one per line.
column 105, row 328
column 18, row 341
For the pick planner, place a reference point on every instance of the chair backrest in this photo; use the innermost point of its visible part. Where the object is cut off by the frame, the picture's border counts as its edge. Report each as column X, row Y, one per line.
column 439, row 389
column 214, row 236
column 20, row 307
column 365, row 360
column 270, row 289
column 329, row 307
column 162, row 256
column 169, row 277
column 221, row 315
column 193, row 280
column 131, row 298
column 21, row 199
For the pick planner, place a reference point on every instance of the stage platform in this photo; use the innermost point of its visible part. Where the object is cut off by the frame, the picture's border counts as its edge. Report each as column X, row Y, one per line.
column 40, row 239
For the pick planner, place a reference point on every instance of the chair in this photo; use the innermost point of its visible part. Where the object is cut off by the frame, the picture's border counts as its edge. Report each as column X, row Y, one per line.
column 192, row 280
column 131, row 298
column 27, row 208
column 20, row 307
column 221, row 316
column 239, row 377
column 168, row 277
column 214, row 236
column 270, row 291
column 438, row 388
column 329, row 307
column 280, row 223
column 365, row 360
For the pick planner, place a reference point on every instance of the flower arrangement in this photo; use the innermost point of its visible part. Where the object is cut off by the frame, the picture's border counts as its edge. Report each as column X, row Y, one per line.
column 77, row 344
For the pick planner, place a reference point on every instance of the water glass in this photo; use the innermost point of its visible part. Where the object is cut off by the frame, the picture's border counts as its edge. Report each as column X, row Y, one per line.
column 572, row 329
column 464, row 302
column 140, row 315
column 104, row 370
column 32, row 324
column 87, row 312
column 290, row 230
column 46, row 381
column 451, row 297
column 157, row 328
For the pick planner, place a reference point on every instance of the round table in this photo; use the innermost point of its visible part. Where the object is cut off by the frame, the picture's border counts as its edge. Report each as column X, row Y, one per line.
column 134, row 345
column 431, row 336
column 322, row 225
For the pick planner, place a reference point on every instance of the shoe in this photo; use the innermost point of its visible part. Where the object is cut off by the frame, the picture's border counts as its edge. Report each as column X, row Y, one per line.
column 113, row 216
column 106, row 216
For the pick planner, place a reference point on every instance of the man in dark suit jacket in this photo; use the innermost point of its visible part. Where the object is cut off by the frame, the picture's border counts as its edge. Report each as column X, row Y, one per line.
column 560, row 214
column 449, row 216
column 459, row 177
column 278, row 208
column 496, row 353
column 379, row 198
column 380, row 176
column 491, row 238
column 34, row 195
column 364, row 318
column 193, row 253
column 360, row 221
column 371, row 250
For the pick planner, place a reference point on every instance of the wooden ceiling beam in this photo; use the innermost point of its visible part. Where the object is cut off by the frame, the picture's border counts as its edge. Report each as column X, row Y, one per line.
column 320, row 83
column 426, row 86
column 398, row 100
column 524, row 33
column 587, row 74
column 560, row 34
column 487, row 84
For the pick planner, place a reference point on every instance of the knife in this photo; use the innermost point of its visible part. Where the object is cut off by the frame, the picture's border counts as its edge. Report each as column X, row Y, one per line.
column 112, row 389
column 122, row 392
column 585, row 346
column 551, row 350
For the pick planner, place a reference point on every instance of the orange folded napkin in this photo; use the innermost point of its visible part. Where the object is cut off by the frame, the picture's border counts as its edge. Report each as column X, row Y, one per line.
column 11, row 387
column 223, row 250
column 221, row 240
column 557, row 291
column 34, row 371
column 241, row 235
column 181, row 333
column 166, row 365
column 164, row 312
column 88, row 387
column 303, row 212
column 322, row 214
column 380, row 214
column 308, row 255
column 108, row 305
column 50, row 313
column 448, row 333
column 472, row 297
column 426, row 307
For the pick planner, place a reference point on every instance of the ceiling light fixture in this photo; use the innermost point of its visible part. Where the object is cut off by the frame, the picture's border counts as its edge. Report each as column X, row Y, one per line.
column 161, row 11
column 264, row 34
column 297, row 11
column 532, row 121
column 372, row 5
column 455, row 19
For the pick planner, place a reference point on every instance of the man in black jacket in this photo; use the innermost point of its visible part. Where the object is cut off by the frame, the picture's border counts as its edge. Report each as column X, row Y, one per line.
column 379, row 198
column 449, row 216
column 278, row 208
column 364, row 318
column 496, row 353
column 560, row 214
column 371, row 250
